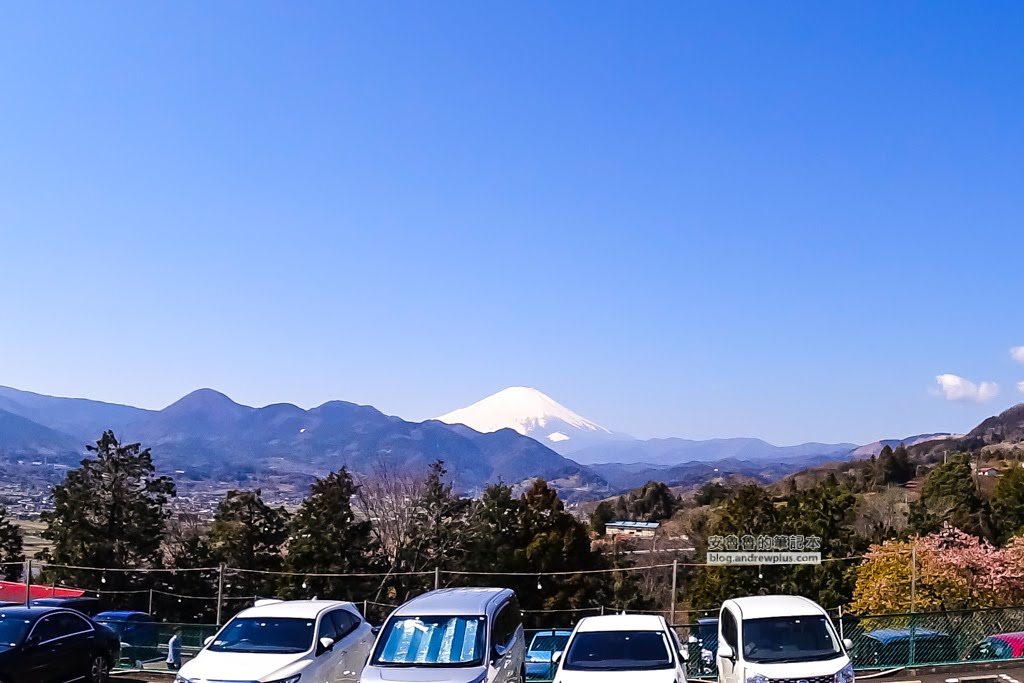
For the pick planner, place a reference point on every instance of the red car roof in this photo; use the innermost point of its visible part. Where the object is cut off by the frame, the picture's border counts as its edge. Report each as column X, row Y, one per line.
column 1014, row 640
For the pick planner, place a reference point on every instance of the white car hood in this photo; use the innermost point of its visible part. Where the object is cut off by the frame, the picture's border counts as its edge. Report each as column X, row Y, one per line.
column 242, row 666
column 657, row 676
column 798, row 670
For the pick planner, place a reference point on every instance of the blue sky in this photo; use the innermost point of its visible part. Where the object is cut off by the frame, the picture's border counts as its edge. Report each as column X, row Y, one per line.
column 768, row 219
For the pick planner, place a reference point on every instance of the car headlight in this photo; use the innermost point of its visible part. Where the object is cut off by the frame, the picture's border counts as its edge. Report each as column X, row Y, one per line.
column 845, row 675
column 756, row 678
column 290, row 679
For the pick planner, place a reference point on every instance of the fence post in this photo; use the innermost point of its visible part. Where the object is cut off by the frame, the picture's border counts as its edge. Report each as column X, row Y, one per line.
column 365, row 604
column 220, row 592
column 437, row 578
column 675, row 578
column 913, row 575
column 28, row 582
column 842, row 636
column 913, row 598
column 602, row 610
column 151, row 601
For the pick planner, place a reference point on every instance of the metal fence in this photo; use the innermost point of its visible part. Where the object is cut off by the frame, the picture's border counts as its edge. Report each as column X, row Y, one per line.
column 893, row 641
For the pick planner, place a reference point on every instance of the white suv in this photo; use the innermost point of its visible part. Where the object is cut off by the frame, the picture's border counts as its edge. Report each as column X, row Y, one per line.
column 611, row 649
column 299, row 641
column 780, row 639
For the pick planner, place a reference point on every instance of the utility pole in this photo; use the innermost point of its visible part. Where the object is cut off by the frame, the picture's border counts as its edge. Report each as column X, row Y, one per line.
column 437, row 578
column 675, row 579
column 220, row 593
column 913, row 575
column 28, row 583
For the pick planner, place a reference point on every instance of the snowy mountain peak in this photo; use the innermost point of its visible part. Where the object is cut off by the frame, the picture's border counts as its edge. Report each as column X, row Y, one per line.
column 531, row 413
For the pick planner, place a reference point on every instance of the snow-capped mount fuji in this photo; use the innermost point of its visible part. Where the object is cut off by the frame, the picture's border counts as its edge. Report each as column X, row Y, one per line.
column 535, row 414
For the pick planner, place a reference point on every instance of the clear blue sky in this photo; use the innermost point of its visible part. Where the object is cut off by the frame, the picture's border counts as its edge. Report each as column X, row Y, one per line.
column 768, row 219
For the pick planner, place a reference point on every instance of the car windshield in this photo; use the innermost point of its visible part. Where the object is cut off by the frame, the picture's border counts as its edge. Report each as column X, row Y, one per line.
column 265, row 634
column 12, row 630
column 619, row 651
column 432, row 641
column 546, row 643
column 789, row 639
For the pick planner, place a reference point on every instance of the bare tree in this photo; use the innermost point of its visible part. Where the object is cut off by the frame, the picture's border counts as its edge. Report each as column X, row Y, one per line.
column 883, row 514
column 388, row 500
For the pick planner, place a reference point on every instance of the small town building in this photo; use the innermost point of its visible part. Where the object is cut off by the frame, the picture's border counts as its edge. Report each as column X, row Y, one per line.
column 632, row 529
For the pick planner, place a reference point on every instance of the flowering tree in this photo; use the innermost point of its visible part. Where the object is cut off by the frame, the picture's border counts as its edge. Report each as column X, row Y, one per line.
column 954, row 571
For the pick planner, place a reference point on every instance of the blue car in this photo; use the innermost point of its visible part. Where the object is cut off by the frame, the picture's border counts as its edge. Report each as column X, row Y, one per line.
column 137, row 632
column 539, row 666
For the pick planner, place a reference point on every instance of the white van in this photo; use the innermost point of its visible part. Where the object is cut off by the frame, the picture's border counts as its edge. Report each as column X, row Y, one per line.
column 780, row 639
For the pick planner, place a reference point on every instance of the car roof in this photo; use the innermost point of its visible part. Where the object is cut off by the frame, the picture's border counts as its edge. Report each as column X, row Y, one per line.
column 63, row 601
column 764, row 606
column 621, row 622
column 22, row 612
column 297, row 609
column 889, row 635
column 453, row 602
column 119, row 614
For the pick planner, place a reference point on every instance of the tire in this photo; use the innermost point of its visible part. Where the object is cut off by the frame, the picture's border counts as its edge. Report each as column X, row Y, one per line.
column 99, row 668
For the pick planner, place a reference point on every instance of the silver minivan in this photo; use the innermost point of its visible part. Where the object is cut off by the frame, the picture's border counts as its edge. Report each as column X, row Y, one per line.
column 453, row 635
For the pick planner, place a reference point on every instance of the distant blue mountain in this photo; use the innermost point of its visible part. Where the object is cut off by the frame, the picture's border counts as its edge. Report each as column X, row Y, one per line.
column 668, row 452
column 206, row 434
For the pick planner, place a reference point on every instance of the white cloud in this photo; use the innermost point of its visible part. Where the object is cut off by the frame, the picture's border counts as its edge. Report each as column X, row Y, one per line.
column 956, row 388
column 1018, row 353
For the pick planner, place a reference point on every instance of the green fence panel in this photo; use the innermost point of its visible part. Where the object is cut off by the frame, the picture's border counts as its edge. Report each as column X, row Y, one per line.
column 144, row 645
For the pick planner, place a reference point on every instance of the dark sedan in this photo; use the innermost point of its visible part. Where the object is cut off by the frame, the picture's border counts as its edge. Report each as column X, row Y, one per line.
column 53, row 645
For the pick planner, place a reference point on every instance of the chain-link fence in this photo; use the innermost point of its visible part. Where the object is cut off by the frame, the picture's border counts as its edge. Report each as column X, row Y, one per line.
column 144, row 645
column 896, row 640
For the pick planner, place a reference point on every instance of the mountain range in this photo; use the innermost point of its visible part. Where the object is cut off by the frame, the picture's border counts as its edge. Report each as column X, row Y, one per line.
column 207, row 435
column 512, row 436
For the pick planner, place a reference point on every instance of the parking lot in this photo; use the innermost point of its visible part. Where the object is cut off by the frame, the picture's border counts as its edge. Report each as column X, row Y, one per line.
column 1010, row 674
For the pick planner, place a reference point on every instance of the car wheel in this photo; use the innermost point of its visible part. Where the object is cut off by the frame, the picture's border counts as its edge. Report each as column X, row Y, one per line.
column 99, row 670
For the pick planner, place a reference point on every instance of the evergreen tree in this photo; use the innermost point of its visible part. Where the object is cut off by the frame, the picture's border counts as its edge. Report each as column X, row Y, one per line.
column 326, row 538
column 1008, row 503
column 714, row 492
column 440, row 524
column 11, row 548
column 652, row 502
column 603, row 513
column 248, row 534
column 110, row 512
column 949, row 495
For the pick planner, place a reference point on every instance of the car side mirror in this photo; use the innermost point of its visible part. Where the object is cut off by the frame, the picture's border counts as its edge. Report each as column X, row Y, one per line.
column 375, row 630
column 326, row 643
column 848, row 644
column 32, row 641
column 726, row 652
column 684, row 653
column 556, row 657
column 207, row 641
column 500, row 651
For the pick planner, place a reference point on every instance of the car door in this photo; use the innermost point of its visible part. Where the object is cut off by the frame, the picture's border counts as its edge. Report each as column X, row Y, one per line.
column 58, row 648
column 42, row 660
column 77, row 642
column 345, row 662
column 728, row 633
column 501, row 669
column 677, row 655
